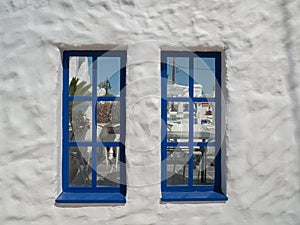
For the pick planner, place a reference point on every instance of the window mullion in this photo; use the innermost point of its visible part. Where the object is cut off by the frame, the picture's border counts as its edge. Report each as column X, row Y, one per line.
column 191, row 121
column 94, row 123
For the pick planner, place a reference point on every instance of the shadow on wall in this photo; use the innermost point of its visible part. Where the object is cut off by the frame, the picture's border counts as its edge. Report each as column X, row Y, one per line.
column 292, row 81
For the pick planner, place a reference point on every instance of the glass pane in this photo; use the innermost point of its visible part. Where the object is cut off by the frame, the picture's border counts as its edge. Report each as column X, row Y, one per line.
column 178, row 121
column 204, row 165
column 204, row 121
column 108, row 166
column 80, row 166
column 177, row 165
column 80, row 121
column 80, row 76
column 204, row 77
column 108, row 76
column 178, row 76
column 108, row 121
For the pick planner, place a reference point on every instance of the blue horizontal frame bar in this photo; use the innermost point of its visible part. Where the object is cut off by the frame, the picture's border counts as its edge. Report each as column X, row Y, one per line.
column 105, row 144
column 186, row 188
column 178, row 99
column 80, row 98
column 69, row 197
column 188, row 99
column 90, row 98
column 108, row 98
column 90, row 53
column 96, row 189
column 205, row 196
column 189, row 54
column 203, row 99
column 187, row 144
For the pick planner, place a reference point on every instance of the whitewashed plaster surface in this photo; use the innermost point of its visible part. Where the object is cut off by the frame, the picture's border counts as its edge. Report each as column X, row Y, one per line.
column 261, row 44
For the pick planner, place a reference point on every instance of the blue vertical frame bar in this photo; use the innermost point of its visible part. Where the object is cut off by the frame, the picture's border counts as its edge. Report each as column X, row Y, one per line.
column 122, row 122
column 218, row 120
column 191, row 121
column 65, row 123
column 94, row 121
column 164, row 84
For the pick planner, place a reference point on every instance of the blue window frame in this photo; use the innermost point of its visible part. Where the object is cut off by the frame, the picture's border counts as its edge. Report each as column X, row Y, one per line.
column 93, row 124
column 191, row 126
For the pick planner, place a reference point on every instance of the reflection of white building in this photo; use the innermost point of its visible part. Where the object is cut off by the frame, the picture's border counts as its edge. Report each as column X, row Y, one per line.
column 178, row 111
column 177, row 90
column 79, row 67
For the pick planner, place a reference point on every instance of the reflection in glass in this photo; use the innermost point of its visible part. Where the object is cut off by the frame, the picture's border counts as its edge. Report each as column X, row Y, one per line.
column 177, row 165
column 80, row 166
column 178, row 121
column 178, row 76
column 204, row 165
column 108, row 121
column 108, row 169
column 80, row 76
column 204, row 121
column 204, row 77
column 80, row 121
column 108, row 76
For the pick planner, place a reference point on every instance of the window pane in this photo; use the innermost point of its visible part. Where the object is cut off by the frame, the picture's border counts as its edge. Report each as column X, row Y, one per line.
column 178, row 76
column 204, row 121
column 178, row 121
column 177, row 165
column 108, row 121
column 80, row 121
column 204, row 77
column 80, row 76
column 204, row 165
column 108, row 76
column 108, row 166
column 80, row 166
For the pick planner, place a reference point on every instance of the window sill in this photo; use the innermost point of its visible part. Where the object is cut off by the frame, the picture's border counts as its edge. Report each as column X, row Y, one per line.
column 90, row 198
column 205, row 196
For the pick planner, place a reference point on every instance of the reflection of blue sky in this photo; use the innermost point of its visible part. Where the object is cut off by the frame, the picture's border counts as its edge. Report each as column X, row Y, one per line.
column 108, row 68
column 204, row 72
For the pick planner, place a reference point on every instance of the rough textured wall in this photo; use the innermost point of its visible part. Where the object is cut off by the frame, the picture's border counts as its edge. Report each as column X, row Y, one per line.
column 260, row 41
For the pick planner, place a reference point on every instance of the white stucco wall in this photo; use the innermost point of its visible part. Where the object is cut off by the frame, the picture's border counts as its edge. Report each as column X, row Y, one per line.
column 261, row 44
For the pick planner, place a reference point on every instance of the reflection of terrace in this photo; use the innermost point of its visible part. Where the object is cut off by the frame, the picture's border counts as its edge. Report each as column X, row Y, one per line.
column 178, row 131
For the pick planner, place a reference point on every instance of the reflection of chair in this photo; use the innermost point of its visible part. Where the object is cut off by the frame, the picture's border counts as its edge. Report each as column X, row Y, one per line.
column 110, row 133
column 178, row 156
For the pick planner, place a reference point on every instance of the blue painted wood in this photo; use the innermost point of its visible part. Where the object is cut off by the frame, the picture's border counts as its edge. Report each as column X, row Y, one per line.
column 98, row 144
column 218, row 122
column 193, row 196
column 191, row 121
column 65, row 124
column 71, row 197
column 187, row 143
column 164, row 122
column 94, row 123
column 191, row 192
column 93, row 193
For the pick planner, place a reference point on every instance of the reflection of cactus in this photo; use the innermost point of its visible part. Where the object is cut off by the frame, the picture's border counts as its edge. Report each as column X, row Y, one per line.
column 79, row 89
column 76, row 88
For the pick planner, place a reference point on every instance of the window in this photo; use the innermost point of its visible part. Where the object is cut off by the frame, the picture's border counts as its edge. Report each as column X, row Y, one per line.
column 191, row 126
column 93, row 154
